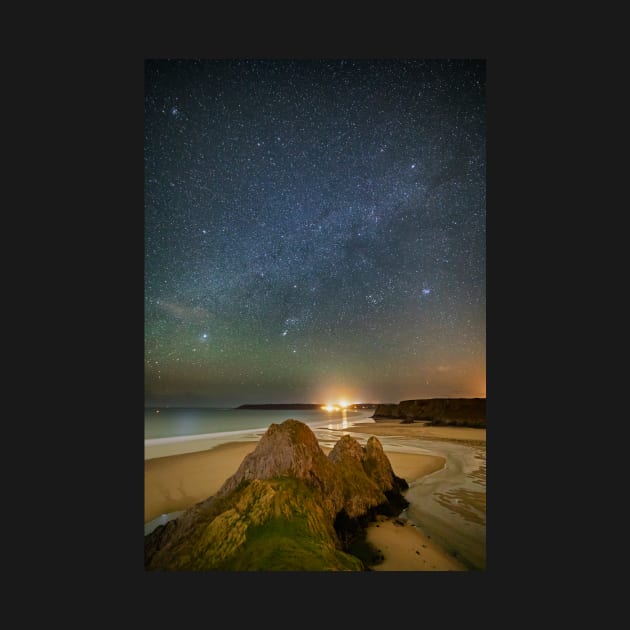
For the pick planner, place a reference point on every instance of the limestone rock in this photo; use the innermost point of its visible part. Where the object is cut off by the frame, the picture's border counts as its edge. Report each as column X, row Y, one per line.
column 287, row 507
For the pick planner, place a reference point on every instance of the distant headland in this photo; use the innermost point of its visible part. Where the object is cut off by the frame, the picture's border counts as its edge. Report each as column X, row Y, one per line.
column 303, row 406
column 464, row 412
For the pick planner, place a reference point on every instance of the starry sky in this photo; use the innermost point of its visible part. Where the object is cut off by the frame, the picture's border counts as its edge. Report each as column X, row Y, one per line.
column 314, row 230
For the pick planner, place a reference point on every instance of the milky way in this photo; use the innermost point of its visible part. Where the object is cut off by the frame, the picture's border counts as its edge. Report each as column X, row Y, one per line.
column 314, row 230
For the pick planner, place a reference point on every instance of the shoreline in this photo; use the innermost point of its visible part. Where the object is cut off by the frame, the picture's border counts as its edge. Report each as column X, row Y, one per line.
column 179, row 444
column 178, row 481
column 395, row 428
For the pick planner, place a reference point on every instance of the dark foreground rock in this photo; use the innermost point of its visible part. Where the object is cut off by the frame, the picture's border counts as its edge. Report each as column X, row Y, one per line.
column 461, row 412
column 288, row 507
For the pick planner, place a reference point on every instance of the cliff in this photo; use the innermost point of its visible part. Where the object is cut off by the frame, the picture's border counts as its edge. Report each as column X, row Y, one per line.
column 469, row 412
column 288, row 507
column 388, row 411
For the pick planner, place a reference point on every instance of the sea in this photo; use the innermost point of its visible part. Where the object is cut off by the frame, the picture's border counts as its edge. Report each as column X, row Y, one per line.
column 175, row 430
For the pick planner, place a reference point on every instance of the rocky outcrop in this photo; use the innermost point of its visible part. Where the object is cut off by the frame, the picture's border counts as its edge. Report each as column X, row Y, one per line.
column 287, row 507
column 469, row 412
column 287, row 449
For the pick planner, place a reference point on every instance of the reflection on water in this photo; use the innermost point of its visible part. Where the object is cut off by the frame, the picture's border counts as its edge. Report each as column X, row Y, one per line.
column 174, row 422
column 344, row 424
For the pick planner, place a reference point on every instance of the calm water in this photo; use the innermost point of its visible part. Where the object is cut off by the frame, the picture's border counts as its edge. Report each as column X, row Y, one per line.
column 215, row 422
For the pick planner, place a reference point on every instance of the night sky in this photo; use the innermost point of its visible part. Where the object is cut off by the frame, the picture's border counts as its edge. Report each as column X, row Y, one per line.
column 314, row 230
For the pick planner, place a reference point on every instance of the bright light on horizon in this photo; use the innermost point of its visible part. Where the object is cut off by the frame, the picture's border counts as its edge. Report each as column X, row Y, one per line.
column 341, row 406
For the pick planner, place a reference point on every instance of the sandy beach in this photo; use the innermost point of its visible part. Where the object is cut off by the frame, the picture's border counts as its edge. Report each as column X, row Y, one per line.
column 405, row 548
column 419, row 430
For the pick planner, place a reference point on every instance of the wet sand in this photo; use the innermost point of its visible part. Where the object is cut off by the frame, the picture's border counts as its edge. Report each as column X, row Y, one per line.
column 405, row 548
column 419, row 430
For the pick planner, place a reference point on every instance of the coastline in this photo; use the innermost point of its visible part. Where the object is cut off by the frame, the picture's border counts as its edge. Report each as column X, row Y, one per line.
column 179, row 481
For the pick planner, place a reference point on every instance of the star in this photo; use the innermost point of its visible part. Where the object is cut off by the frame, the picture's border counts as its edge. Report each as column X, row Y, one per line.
column 311, row 219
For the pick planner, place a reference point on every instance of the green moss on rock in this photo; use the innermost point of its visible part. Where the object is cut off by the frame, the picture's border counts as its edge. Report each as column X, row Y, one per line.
column 281, row 510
